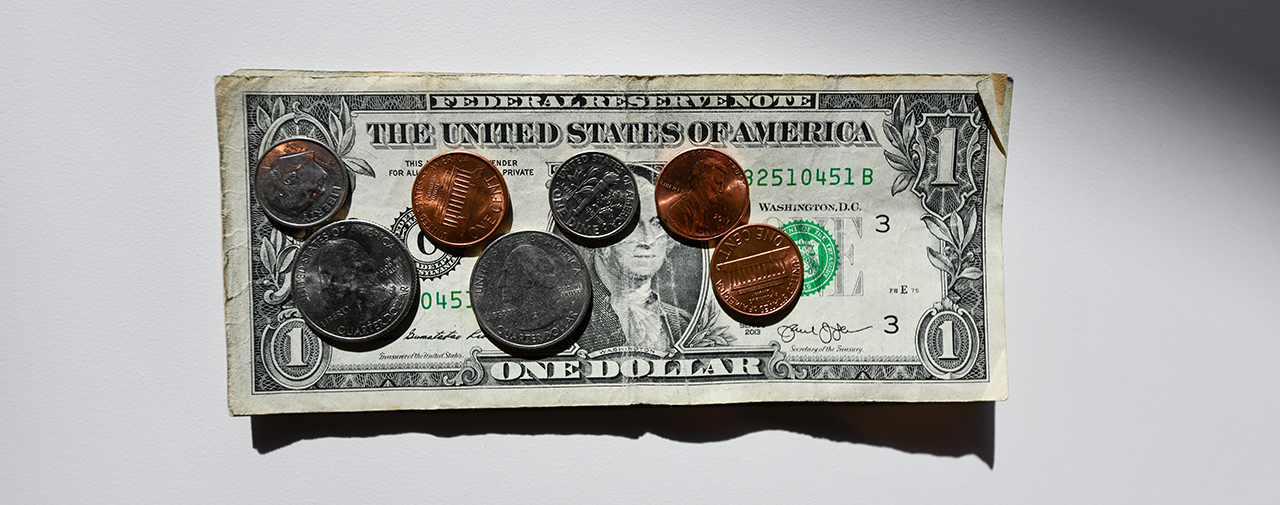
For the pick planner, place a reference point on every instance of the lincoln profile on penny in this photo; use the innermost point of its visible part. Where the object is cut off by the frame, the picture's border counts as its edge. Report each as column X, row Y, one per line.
column 627, row 310
column 702, row 208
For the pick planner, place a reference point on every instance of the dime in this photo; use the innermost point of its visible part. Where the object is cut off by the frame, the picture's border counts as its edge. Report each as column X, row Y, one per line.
column 300, row 183
column 701, row 194
column 593, row 195
column 459, row 198
column 530, row 289
column 354, row 281
column 756, row 270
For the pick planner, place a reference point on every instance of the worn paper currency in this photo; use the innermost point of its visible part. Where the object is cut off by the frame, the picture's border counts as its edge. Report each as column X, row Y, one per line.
column 891, row 186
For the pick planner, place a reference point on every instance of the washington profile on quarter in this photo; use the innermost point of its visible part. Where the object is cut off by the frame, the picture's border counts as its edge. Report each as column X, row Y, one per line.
column 593, row 195
column 702, row 193
column 756, row 270
column 354, row 281
column 530, row 289
column 459, row 198
column 300, row 183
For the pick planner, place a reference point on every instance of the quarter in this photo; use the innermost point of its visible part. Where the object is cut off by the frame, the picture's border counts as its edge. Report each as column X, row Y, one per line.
column 593, row 195
column 459, row 198
column 300, row 183
column 530, row 290
column 701, row 193
column 354, row 281
column 756, row 270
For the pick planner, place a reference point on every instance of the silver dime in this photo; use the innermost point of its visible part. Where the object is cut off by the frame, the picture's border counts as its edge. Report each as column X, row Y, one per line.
column 354, row 281
column 530, row 289
column 593, row 195
column 300, row 183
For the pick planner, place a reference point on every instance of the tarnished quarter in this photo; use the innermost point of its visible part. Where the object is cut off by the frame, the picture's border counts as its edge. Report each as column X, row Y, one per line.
column 593, row 195
column 300, row 183
column 354, row 281
column 702, row 193
column 459, row 198
column 530, row 289
column 756, row 270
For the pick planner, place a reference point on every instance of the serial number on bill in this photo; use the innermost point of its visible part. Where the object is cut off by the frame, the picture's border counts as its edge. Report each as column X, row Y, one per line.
column 846, row 176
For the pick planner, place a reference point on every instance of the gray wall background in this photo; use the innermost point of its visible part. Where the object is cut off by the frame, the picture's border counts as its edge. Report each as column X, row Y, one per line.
column 1142, row 233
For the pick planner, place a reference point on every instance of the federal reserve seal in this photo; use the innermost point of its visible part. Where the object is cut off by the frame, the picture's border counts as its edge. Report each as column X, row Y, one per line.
column 432, row 262
column 818, row 251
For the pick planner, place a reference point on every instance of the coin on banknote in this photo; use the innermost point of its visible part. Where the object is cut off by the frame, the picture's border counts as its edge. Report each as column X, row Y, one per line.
column 300, row 183
column 354, row 281
column 756, row 270
column 459, row 198
column 702, row 194
column 593, row 195
column 530, row 289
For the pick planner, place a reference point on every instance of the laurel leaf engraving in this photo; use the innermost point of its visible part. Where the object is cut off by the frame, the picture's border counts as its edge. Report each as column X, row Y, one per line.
column 348, row 141
column 901, row 183
column 346, row 114
column 939, row 261
column 955, row 226
column 936, row 227
column 909, row 133
column 971, row 273
column 970, row 228
column 895, row 138
column 286, row 260
column 359, row 166
column 898, row 162
column 267, row 256
column 899, row 111
column 264, row 120
column 335, row 131
column 278, row 110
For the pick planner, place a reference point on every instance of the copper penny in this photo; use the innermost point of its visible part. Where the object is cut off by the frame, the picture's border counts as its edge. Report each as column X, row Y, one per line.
column 459, row 198
column 756, row 270
column 701, row 194
column 300, row 183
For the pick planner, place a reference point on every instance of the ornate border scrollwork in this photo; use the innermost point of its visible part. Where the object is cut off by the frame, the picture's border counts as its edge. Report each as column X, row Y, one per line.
column 779, row 367
column 471, row 374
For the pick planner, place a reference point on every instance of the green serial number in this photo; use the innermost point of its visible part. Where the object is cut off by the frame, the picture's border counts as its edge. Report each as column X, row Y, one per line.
column 455, row 300
column 846, row 176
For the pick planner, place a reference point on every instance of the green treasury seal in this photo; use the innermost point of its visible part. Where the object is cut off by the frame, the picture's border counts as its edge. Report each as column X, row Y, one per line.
column 818, row 251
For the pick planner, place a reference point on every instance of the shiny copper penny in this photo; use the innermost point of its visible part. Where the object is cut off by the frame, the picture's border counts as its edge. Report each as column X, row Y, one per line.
column 300, row 183
column 701, row 194
column 459, row 198
column 756, row 270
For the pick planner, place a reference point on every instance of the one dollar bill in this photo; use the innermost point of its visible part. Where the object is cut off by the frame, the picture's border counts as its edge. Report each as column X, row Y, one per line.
column 891, row 186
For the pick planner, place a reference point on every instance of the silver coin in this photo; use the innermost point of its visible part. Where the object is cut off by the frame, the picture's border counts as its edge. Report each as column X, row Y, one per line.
column 530, row 289
column 300, row 183
column 593, row 195
column 354, row 281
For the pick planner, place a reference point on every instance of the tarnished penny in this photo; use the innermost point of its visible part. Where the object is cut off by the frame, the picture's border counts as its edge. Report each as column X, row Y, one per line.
column 593, row 195
column 756, row 270
column 300, row 183
column 530, row 289
column 702, row 194
column 459, row 198
column 354, row 281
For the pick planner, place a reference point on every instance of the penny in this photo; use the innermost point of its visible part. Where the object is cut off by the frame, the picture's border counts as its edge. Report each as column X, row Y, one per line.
column 354, row 281
column 459, row 199
column 702, row 194
column 300, row 183
column 756, row 270
column 593, row 195
column 530, row 289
